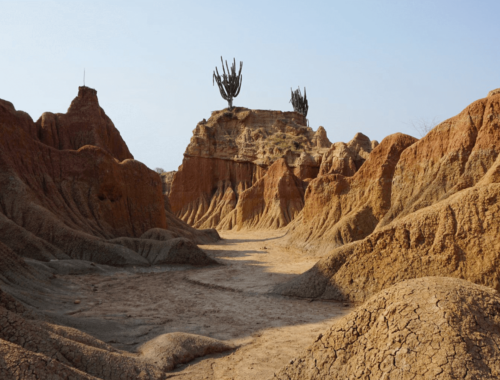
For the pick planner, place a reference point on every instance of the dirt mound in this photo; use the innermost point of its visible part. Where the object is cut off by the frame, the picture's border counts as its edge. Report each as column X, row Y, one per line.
column 60, row 203
column 173, row 251
column 231, row 152
column 340, row 209
column 433, row 328
column 169, row 350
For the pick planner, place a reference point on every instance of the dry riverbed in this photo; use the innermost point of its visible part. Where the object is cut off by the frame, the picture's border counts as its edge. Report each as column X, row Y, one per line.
column 228, row 302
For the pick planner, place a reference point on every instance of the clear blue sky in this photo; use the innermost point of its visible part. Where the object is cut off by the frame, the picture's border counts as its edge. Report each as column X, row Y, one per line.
column 369, row 66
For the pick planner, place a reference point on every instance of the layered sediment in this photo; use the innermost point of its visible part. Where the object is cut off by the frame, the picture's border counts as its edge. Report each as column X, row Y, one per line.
column 70, row 187
column 441, row 219
column 232, row 152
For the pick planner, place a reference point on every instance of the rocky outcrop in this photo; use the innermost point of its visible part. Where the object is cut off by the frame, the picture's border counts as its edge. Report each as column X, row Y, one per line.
column 85, row 123
column 432, row 328
column 454, row 156
column 454, row 236
column 346, row 159
column 59, row 203
column 166, row 179
column 231, row 152
column 340, row 208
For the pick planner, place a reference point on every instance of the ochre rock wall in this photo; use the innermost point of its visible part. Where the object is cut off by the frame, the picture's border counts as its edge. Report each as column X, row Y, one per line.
column 230, row 153
column 59, row 203
column 272, row 202
column 343, row 208
column 453, row 156
column 455, row 235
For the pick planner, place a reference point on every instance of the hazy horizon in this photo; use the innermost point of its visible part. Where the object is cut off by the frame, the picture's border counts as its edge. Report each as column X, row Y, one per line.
column 370, row 68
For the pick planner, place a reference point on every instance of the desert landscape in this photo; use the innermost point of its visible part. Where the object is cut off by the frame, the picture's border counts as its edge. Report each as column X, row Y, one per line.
column 260, row 190
column 270, row 253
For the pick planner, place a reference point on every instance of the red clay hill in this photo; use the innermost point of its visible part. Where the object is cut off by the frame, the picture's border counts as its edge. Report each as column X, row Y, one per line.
column 71, row 189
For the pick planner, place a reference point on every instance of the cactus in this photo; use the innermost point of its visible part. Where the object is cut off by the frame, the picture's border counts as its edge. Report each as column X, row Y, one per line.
column 230, row 83
column 299, row 102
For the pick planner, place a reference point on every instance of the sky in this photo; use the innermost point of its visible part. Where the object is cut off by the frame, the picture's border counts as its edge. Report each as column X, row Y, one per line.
column 376, row 67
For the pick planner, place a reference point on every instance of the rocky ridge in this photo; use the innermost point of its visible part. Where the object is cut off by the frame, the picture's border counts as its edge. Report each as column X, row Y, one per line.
column 441, row 220
column 62, row 198
column 72, row 198
column 341, row 208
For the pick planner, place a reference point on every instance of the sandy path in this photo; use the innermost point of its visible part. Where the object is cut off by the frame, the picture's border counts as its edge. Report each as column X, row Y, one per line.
column 229, row 302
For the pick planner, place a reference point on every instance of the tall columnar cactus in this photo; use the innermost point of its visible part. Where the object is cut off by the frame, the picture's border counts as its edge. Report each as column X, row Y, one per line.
column 299, row 102
column 230, row 83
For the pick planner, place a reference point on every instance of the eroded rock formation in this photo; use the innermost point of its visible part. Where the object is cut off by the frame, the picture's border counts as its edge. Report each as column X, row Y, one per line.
column 428, row 328
column 272, row 202
column 62, row 198
column 72, row 196
column 456, row 170
column 341, row 208
column 233, row 151
column 346, row 159
column 454, row 156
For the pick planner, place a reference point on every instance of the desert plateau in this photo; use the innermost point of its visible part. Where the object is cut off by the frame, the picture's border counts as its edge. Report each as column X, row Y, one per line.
column 154, row 225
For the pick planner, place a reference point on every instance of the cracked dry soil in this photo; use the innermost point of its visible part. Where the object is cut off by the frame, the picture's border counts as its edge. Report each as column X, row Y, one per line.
column 228, row 302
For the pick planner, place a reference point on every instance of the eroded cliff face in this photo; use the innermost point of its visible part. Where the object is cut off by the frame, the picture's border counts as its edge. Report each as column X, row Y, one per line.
column 443, row 217
column 272, row 202
column 341, row 208
column 346, row 159
column 85, row 123
column 454, row 156
column 232, row 152
column 62, row 198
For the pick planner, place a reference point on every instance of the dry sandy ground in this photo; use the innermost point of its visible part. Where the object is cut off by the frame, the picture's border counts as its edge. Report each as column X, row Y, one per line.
column 229, row 302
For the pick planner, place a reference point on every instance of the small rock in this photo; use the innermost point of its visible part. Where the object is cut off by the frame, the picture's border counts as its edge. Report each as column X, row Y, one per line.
column 346, row 305
column 77, row 302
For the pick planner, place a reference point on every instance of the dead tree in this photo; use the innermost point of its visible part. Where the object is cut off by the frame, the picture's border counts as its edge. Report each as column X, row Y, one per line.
column 299, row 102
column 230, row 83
